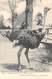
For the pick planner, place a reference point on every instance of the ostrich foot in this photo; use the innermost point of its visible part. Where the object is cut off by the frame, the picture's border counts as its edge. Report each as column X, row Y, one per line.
column 19, row 67
column 30, row 67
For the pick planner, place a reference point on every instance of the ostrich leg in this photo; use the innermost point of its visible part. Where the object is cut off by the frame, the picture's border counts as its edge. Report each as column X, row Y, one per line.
column 19, row 54
column 26, row 54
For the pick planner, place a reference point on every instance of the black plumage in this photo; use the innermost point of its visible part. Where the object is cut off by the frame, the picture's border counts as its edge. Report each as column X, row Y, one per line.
column 27, row 38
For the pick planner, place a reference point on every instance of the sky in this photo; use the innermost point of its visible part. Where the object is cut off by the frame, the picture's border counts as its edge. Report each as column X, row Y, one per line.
column 5, row 11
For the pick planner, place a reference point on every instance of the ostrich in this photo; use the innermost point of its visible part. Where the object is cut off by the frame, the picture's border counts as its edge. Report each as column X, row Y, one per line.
column 26, row 39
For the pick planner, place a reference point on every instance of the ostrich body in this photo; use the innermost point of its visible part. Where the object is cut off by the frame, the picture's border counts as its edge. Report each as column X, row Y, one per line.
column 26, row 39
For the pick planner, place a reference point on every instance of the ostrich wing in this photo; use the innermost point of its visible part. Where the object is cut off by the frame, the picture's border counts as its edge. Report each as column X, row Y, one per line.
column 28, row 39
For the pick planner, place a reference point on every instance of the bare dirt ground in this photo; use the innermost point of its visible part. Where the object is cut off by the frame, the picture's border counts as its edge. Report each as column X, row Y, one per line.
column 41, row 58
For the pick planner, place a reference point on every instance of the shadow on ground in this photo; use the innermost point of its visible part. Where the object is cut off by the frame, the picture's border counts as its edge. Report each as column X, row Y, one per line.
column 11, row 67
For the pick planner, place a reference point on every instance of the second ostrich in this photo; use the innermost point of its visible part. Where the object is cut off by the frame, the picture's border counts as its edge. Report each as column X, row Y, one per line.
column 26, row 39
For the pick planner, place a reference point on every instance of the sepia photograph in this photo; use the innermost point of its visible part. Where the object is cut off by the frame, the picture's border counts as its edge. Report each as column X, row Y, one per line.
column 25, row 36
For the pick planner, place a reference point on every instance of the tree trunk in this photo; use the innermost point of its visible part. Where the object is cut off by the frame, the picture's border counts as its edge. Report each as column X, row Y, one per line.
column 29, row 13
column 13, row 22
